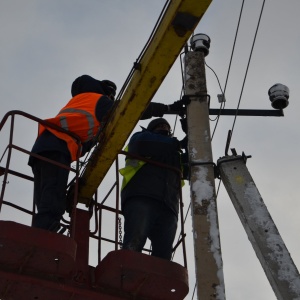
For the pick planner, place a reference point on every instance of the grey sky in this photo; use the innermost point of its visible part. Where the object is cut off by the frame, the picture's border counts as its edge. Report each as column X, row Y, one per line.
column 46, row 44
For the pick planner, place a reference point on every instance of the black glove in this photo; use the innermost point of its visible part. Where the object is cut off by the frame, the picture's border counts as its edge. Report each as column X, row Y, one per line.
column 177, row 106
column 184, row 143
column 185, row 166
column 183, row 122
column 186, row 100
column 154, row 109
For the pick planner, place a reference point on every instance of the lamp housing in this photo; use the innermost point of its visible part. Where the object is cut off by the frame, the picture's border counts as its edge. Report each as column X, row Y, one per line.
column 200, row 42
column 279, row 96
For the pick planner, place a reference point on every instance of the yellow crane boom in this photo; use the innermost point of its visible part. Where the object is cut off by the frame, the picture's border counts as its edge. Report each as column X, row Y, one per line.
column 179, row 21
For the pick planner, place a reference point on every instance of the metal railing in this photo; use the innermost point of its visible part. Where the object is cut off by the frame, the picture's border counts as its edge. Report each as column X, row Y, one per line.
column 96, row 206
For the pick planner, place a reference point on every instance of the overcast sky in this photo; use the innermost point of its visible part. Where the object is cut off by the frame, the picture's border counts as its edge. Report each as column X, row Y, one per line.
column 46, row 44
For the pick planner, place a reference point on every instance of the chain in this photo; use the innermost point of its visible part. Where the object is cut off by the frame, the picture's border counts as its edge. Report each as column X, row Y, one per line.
column 120, row 231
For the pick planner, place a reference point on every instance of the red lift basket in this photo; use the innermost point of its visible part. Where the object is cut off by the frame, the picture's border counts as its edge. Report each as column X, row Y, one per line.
column 39, row 265
column 146, row 277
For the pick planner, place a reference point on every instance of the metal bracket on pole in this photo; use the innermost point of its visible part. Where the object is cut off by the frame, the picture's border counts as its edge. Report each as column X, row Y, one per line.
column 198, row 97
column 242, row 157
column 216, row 171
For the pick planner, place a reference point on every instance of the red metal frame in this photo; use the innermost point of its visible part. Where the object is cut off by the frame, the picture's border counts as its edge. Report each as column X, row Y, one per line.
column 37, row 264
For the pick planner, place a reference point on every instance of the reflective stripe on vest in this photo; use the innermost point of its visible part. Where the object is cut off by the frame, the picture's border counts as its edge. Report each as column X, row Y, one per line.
column 89, row 117
column 79, row 119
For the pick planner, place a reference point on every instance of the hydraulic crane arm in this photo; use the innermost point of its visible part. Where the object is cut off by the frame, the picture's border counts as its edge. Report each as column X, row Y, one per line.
column 179, row 21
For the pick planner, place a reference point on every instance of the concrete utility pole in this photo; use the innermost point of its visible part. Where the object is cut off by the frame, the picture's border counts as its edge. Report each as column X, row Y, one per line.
column 261, row 230
column 208, row 259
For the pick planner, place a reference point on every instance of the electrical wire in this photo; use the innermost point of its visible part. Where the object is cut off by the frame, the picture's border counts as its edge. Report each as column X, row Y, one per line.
column 223, row 103
column 246, row 73
column 137, row 62
column 182, row 80
column 233, row 46
column 229, row 68
column 194, row 290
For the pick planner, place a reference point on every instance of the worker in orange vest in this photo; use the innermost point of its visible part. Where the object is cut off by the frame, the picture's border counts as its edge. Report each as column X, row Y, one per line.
column 92, row 100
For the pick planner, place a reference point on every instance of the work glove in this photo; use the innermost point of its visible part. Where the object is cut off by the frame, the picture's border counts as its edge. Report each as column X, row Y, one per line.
column 185, row 100
column 177, row 106
column 185, row 166
column 184, row 143
column 70, row 198
column 183, row 122
column 154, row 109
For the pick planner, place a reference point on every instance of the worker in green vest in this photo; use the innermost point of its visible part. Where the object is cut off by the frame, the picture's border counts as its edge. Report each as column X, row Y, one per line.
column 151, row 189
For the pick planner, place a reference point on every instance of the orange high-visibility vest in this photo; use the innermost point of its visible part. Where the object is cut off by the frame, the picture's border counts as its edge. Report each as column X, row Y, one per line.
column 78, row 117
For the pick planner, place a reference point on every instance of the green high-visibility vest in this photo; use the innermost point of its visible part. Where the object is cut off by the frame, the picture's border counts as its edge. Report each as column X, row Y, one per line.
column 131, row 167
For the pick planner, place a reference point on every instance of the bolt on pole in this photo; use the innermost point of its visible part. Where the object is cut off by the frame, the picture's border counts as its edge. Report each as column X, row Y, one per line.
column 208, row 259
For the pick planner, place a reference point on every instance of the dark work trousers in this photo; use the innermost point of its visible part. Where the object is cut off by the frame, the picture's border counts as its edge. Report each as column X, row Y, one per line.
column 149, row 218
column 50, row 183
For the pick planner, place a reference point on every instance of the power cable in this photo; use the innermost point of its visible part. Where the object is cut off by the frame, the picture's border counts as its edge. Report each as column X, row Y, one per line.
column 233, row 47
column 246, row 73
column 194, row 290
column 137, row 62
column 223, row 103
column 182, row 80
column 229, row 68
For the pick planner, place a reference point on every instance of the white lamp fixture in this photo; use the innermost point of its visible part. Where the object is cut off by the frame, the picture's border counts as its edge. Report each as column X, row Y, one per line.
column 200, row 42
column 279, row 96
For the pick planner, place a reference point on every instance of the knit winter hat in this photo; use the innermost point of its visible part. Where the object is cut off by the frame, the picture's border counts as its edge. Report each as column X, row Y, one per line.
column 154, row 123
column 88, row 84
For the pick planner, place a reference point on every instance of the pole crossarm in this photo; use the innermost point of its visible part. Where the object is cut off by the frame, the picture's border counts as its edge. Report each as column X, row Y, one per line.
column 247, row 112
column 238, row 112
column 179, row 21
